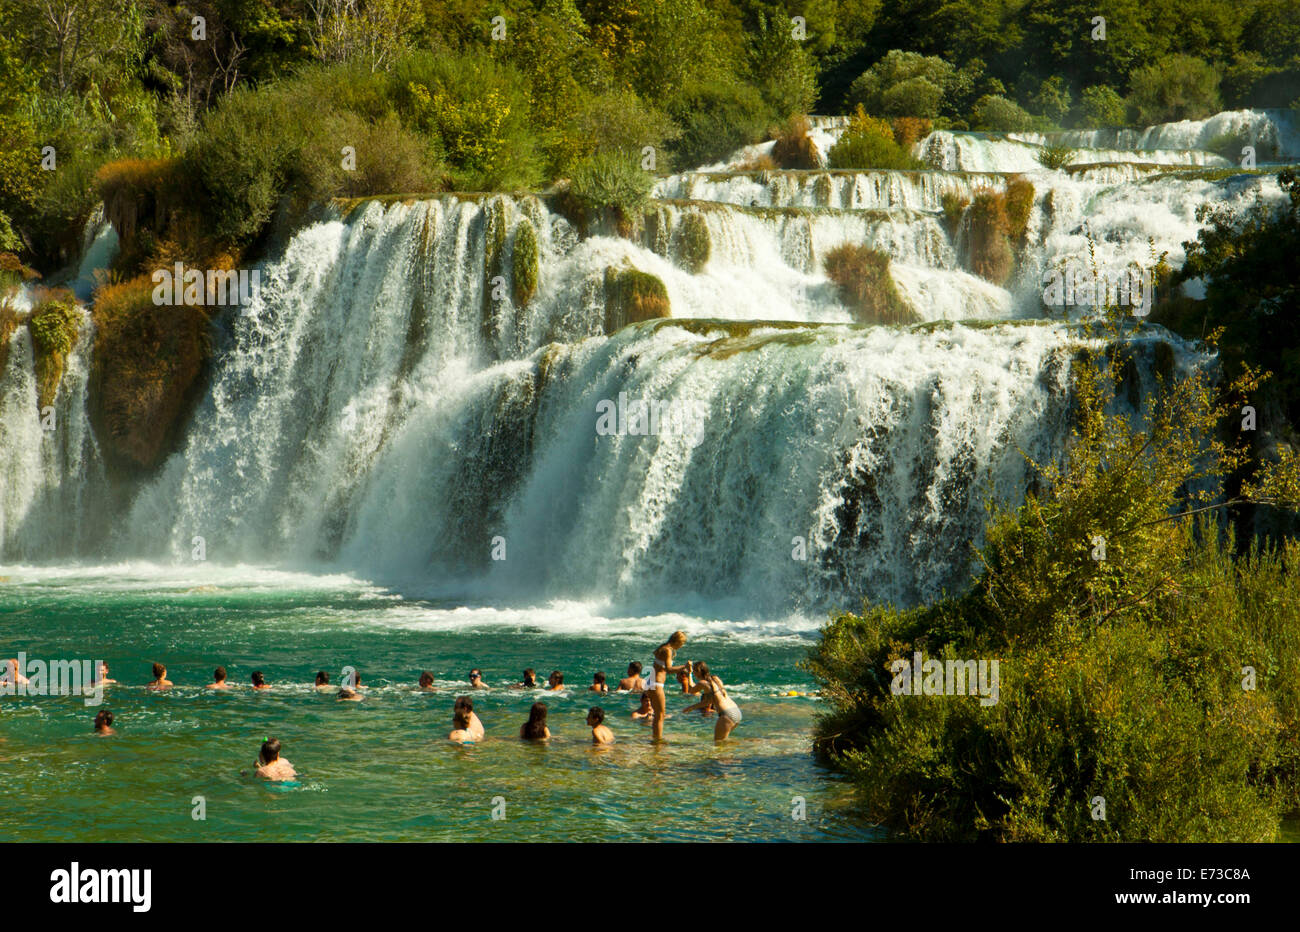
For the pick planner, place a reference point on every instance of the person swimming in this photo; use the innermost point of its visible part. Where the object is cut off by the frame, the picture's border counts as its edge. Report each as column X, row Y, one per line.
column 476, row 680
column 728, row 712
column 663, row 665
column 348, row 694
column 322, row 680
column 12, row 674
column 598, row 684
column 259, row 681
column 555, row 681
column 271, row 766
column 219, row 679
column 600, row 733
column 426, row 682
column 633, row 681
column 160, row 680
column 460, row 732
column 104, row 722
column 475, row 726
column 529, row 682
column 101, row 675
column 535, row 728
column 645, row 714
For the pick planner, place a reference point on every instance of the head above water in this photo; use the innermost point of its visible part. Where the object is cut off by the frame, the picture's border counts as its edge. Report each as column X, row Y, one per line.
column 595, row 716
column 475, row 675
column 159, row 671
column 258, row 678
column 598, row 678
column 270, row 751
column 426, row 679
column 322, row 678
column 634, row 668
column 103, row 719
column 460, row 719
column 536, row 725
column 530, row 677
column 219, row 675
column 556, row 678
column 464, row 702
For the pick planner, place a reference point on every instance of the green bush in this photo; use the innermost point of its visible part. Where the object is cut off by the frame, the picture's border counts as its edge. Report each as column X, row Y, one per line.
column 954, row 206
column 611, row 122
column 1052, row 99
column 903, row 84
column 53, row 325
column 994, row 114
column 524, row 263
column 716, row 119
column 991, row 255
column 1055, row 157
column 1101, row 106
column 868, row 143
column 1176, row 87
column 866, row 285
column 632, row 296
column 610, row 180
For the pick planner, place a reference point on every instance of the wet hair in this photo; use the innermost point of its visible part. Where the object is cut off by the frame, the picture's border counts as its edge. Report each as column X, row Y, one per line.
column 218, row 674
column 530, row 677
column 476, row 672
column 536, row 725
column 464, row 702
column 598, row 678
column 346, row 692
column 634, row 668
column 426, row 678
column 597, row 713
column 103, row 718
column 461, row 720
column 258, row 679
column 159, row 671
column 270, row 750
column 557, row 676
column 645, row 699
column 702, row 670
column 322, row 678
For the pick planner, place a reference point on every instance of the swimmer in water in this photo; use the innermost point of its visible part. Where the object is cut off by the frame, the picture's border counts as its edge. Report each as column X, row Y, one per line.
column 600, row 733
column 555, row 681
column 529, row 682
column 219, row 679
column 476, row 680
column 104, row 722
column 348, row 694
column 160, row 680
column 259, row 681
column 728, row 712
column 535, row 728
column 598, row 684
column 646, row 713
column 633, row 682
column 663, row 665
column 271, row 766
column 11, row 674
column 322, row 680
column 460, row 732
column 426, row 682
column 475, row 726
column 101, row 675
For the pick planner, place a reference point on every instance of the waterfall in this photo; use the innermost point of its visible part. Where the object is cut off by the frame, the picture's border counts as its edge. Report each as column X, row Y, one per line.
column 393, row 403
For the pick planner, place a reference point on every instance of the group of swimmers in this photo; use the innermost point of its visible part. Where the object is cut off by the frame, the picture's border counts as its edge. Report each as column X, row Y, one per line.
column 695, row 678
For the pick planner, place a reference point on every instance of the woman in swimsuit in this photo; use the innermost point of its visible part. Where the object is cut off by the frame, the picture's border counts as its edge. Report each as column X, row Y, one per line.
column 663, row 666
column 728, row 712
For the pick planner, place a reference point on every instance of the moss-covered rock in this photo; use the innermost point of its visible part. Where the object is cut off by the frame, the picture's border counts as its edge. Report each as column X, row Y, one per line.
column 693, row 244
column 866, row 285
column 10, row 318
column 632, row 296
column 954, row 206
column 149, row 363
column 1020, row 203
column 53, row 326
column 524, row 264
column 990, row 253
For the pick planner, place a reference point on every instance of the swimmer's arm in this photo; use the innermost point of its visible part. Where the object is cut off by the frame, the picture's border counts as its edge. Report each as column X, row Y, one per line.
column 692, row 708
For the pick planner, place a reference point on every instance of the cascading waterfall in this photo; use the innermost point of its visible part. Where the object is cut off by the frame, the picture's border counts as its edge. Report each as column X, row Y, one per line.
column 383, row 406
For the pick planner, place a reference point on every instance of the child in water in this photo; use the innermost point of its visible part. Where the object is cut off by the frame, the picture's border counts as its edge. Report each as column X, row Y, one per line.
column 104, row 723
column 646, row 713
column 271, row 766
column 555, row 681
column 219, row 679
column 598, row 684
column 426, row 682
column 600, row 733
column 529, row 682
column 160, row 680
column 259, row 681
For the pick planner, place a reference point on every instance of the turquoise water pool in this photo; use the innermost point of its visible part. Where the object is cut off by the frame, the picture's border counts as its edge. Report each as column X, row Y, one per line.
column 381, row 769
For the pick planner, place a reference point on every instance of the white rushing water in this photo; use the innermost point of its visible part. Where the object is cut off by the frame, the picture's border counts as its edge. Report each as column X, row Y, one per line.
column 376, row 411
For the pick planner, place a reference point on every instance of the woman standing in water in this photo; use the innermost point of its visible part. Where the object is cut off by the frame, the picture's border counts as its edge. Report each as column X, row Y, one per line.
column 663, row 666
column 716, row 694
column 535, row 728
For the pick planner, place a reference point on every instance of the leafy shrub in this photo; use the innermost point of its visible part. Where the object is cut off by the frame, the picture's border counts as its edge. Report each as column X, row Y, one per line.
column 794, row 147
column 869, row 143
column 1176, row 87
column 910, row 130
column 615, row 121
column 1020, row 203
column 903, row 84
column 1052, row 99
column 1055, row 157
column 53, row 325
column 954, row 206
column 524, row 263
column 716, row 119
column 610, row 180
column 1101, row 106
column 865, row 285
column 995, row 114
